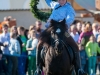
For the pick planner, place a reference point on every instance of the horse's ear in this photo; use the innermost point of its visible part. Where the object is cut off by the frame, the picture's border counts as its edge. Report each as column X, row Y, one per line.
column 63, row 21
column 51, row 21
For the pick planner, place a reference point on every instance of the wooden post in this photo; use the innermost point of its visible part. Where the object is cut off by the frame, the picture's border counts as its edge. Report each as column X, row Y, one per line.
column 97, row 3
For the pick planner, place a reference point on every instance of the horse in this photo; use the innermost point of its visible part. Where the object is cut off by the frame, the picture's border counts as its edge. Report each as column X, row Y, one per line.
column 57, row 56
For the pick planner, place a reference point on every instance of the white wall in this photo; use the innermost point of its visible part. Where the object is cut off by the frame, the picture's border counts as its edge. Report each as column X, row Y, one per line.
column 20, row 4
column 24, row 18
column 4, row 4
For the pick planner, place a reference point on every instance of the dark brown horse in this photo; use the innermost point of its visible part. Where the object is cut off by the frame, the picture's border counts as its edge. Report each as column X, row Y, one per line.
column 56, row 55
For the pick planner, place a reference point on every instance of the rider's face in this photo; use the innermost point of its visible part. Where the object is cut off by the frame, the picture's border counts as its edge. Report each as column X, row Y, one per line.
column 62, row 2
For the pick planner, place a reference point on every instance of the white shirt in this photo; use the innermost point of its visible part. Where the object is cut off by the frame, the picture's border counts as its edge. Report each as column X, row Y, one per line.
column 75, row 36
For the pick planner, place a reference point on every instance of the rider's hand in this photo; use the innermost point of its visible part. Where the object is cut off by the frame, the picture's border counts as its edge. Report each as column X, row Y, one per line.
column 5, row 44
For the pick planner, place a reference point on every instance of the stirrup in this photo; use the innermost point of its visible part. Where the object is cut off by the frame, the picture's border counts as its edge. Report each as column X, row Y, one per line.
column 36, row 72
column 81, row 70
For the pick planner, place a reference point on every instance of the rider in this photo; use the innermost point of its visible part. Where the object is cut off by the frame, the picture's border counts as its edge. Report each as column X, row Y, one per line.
column 63, row 10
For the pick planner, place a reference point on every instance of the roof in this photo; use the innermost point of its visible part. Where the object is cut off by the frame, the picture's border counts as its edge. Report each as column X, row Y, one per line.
column 87, row 4
column 25, row 4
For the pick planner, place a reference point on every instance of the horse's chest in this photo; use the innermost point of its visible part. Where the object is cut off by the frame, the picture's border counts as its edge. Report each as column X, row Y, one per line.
column 54, row 58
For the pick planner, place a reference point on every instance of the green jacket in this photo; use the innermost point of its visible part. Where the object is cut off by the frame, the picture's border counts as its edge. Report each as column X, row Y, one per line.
column 92, row 48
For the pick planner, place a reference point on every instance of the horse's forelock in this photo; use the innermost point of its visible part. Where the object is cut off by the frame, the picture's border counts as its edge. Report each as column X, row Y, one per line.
column 55, row 24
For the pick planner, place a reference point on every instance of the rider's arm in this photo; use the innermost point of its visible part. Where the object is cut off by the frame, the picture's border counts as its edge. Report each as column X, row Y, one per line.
column 51, row 3
column 70, row 15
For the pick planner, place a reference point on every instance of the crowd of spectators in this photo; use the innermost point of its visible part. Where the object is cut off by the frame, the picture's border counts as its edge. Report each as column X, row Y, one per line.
column 87, row 37
column 19, row 47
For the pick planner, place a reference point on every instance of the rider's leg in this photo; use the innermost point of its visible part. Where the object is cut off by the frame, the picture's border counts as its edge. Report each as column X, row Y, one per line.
column 38, row 55
column 38, row 59
column 73, row 44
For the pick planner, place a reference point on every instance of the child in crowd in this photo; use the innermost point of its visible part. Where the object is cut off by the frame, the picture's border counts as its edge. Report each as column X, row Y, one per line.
column 14, row 51
column 31, row 47
column 83, row 56
column 91, row 49
column 3, row 65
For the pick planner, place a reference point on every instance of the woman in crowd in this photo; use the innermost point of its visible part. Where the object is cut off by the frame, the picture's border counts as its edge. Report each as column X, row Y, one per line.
column 31, row 48
column 84, row 37
column 14, row 48
column 86, row 33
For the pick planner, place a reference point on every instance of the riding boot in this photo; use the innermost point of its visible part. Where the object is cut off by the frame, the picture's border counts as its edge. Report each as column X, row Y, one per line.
column 38, row 61
column 77, row 65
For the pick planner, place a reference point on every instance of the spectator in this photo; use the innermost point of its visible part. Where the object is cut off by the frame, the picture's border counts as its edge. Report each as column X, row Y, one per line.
column 31, row 47
column 5, row 39
column 98, row 32
column 14, row 51
column 39, row 30
column 32, row 27
column 95, row 29
column 83, row 56
column 85, row 35
column 98, row 54
column 26, row 33
column 84, row 38
column 3, row 65
column 22, row 59
column 79, row 25
column 74, row 33
column 83, row 28
column 91, row 49
column 14, row 30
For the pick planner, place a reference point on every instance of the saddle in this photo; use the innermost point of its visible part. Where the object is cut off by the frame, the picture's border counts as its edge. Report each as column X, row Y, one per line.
column 68, row 49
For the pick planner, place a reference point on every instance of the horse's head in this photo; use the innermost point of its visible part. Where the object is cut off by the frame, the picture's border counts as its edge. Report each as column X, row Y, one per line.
column 61, row 25
column 57, row 34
